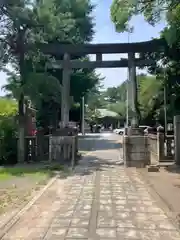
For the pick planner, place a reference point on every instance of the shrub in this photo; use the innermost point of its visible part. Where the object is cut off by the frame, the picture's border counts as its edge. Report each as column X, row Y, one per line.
column 8, row 132
column 8, row 144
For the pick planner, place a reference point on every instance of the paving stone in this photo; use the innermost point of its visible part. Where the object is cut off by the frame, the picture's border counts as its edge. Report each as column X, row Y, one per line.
column 118, row 197
column 166, row 225
column 83, row 207
column 84, row 202
column 60, row 222
column 56, row 233
column 107, row 207
column 65, row 214
column 82, row 214
column 122, row 208
column 105, row 201
column 65, row 208
column 105, row 220
column 80, row 222
column 109, row 233
column 123, row 215
column 129, row 234
column 173, row 235
column 159, row 235
column 77, row 233
column 126, row 223
column 149, row 235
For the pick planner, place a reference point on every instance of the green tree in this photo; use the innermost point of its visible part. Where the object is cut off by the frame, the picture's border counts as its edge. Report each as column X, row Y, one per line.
column 118, row 107
column 149, row 90
column 8, row 130
column 52, row 21
column 8, row 107
column 30, row 22
column 75, row 19
column 153, row 11
column 16, row 20
column 150, row 99
column 111, row 94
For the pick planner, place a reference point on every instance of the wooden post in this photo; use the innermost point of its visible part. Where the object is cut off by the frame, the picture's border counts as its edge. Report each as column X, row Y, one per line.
column 160, row 146
column 98, row 57
column 82, row 127
column 133, row 82
column 73, row 152
column 177, row 138
column 65, row 94
column 50, row 148
column 40, row 139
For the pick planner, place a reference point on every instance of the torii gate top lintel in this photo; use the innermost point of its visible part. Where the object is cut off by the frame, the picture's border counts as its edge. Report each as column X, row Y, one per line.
column 58, row 49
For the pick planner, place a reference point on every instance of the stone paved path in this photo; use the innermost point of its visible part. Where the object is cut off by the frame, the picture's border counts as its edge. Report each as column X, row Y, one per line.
column 102, row 200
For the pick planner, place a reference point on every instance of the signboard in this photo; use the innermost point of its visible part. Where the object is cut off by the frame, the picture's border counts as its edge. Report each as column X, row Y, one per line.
column 70, row 124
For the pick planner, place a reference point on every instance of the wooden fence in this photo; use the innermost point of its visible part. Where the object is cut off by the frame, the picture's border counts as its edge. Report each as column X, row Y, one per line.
column 37, row 148
column 49, row 148
column 169, row 147
column 52, row 148
column 161, row 148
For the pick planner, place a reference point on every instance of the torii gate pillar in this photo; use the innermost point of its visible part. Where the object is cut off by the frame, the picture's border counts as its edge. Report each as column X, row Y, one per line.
column 65, row 93
column 135, row 143
column 133, row 92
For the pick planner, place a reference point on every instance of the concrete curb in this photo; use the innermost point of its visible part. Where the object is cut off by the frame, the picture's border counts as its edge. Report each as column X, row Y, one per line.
column 161, row 202
column 9, row 224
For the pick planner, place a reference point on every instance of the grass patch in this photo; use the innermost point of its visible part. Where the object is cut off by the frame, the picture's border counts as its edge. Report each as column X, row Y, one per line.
column 7, row 173
column 18, row 183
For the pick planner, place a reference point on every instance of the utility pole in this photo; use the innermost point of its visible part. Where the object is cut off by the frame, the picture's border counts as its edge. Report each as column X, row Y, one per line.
column 83, row 133
column 163, row 67
column 165, row 104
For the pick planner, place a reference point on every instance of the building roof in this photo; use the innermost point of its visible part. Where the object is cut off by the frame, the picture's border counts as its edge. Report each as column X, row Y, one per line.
column 103, row 112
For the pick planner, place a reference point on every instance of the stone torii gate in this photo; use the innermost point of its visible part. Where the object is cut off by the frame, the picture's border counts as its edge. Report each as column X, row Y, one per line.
column 66, row 51
column 135, row 144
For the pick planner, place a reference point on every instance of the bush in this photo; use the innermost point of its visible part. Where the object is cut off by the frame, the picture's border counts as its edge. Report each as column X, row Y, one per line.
column 8, row 142
column 8, row 130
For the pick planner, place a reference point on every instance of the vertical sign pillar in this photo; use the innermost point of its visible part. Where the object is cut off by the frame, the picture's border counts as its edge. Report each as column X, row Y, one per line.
column 65, row 94
column 133, row 82
column 177, row 138
column 83, row 132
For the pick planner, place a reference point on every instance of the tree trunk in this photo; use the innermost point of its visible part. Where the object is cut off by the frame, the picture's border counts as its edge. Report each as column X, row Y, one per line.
column 21, row 51
column 21, row 134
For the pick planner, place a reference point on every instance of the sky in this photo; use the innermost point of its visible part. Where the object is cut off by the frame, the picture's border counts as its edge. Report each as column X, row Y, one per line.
column 105, row 33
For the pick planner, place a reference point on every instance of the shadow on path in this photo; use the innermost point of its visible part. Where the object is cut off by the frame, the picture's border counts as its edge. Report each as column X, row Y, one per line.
column 102, row 152
column 94, row 143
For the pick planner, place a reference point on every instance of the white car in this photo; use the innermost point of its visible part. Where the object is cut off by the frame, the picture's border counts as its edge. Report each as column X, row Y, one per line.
column 119, row 131
column 115, row 130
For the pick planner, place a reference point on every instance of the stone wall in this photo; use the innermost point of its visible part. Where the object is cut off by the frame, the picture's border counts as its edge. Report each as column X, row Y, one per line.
column 139, row 151
column 155, row 148
column 135, row 151
column 63, row 149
